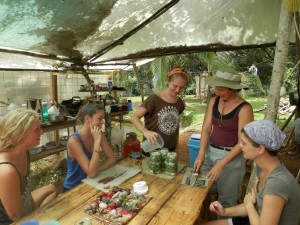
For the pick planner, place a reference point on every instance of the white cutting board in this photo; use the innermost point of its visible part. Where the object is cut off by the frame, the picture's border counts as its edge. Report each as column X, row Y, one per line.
column 130, row 172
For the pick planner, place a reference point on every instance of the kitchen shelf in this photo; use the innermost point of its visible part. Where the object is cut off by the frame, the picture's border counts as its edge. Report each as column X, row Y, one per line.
column 47, row 152
column 102, row 90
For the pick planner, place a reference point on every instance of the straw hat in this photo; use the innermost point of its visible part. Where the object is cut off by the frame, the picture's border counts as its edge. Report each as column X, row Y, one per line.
column 230, row 79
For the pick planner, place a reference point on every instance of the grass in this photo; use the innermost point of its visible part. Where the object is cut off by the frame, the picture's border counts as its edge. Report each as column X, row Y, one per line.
column 196, row 109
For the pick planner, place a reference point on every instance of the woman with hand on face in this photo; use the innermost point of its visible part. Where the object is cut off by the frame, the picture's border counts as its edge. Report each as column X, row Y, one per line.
column 275, row 199
column 85, row 146
column 220, row 153
column 20, row 131
column 161, row 111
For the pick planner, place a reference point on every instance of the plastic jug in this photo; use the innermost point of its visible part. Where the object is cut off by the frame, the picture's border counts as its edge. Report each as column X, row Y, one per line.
column 131, row 144
column 148, row 147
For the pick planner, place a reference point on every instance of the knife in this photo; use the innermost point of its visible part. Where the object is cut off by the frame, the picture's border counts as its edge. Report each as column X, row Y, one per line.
column 109, row 179
column 193, row 178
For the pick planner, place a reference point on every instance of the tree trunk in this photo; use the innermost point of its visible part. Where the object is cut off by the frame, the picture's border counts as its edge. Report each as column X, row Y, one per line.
column 280, row 60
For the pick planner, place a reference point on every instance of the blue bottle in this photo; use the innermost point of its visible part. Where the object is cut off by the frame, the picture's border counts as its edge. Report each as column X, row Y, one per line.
column 45, row 111
column 129, row 105
column 109, row 84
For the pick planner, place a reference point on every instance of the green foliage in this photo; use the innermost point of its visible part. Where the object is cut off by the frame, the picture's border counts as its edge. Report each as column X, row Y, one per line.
column 47, row 176
column 254, row 89
column 262, row 57
column 186, row 119
column 290, row 80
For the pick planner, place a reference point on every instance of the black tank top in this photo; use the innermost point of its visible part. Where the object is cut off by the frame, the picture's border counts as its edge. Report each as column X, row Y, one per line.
column 225, row 132
column 25, row 192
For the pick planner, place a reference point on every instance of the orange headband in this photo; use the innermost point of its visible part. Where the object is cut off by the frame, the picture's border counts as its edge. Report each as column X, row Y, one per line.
column 177, row 71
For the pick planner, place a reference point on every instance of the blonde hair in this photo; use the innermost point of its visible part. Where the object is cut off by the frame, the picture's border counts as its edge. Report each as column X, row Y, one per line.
column 177, row 72
column 13, row 127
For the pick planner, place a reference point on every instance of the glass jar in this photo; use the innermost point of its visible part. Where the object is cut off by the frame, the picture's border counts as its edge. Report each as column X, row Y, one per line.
column 164, row 153
column 155, row 162
column 171, row 164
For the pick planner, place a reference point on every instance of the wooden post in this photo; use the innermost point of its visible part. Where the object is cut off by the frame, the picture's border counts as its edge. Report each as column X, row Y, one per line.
column 54, row 98
column 54, row 87
column 138, row 81
column 119, row 77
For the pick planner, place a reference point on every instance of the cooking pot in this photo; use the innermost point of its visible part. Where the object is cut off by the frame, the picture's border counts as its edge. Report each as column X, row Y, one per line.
column 73, row 105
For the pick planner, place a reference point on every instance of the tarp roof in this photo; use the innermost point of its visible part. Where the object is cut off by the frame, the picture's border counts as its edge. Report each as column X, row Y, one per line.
column 37, row 34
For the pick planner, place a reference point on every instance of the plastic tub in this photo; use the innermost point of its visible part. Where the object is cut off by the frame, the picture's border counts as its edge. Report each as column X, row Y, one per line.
column 193, row 145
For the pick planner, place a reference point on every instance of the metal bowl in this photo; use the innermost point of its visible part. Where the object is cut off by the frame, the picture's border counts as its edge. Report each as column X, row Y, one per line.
column 58, row 118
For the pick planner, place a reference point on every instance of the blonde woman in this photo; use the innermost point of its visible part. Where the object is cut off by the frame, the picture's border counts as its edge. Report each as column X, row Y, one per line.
column 85, row 146
column 161, row 111
column 20, row 131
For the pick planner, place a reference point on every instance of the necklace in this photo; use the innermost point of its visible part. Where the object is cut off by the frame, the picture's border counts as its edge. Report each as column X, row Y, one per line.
column 220, row 118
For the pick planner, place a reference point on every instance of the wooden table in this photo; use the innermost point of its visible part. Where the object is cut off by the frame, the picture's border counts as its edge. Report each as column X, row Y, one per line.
column 172, row 202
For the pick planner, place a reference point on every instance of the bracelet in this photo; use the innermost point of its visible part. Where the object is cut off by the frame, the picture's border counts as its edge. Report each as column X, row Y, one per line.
column 97, row 151
column 144, row 130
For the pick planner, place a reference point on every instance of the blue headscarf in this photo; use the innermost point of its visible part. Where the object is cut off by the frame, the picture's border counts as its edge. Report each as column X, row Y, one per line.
column 266, row 133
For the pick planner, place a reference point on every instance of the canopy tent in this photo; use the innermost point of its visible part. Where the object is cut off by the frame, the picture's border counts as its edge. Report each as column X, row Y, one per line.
column 40, row 34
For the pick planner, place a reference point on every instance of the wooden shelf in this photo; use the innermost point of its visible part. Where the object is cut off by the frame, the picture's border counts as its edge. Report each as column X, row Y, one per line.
column 58, row 125
column 102, row 90
column 114, row 114
column 47, row 152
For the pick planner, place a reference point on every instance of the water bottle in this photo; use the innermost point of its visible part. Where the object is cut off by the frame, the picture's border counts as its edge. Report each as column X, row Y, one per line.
column 129, row 105
column 109, row 84
column 45, row 111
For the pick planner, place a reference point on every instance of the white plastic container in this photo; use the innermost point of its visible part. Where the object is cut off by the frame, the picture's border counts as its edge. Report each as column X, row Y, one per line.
column 148, row 147
column 140, row 187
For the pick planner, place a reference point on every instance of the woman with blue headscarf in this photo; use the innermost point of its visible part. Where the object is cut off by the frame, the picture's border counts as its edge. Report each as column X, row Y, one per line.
column 275, row 199
column 85, row 146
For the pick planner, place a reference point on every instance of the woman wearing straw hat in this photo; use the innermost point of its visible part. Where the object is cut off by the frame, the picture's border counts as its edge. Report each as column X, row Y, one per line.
column 220, row 154
column 276, row 197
